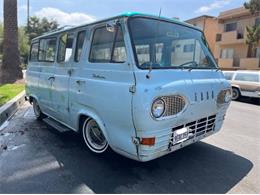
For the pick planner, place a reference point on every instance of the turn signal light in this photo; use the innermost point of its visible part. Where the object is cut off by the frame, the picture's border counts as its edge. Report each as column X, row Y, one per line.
column 148, row 141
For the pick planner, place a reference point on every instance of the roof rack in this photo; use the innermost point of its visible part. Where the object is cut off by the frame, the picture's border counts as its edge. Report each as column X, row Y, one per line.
column 59, row 29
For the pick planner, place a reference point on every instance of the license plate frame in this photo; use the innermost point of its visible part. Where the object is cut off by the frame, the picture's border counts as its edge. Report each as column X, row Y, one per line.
column 180, row 135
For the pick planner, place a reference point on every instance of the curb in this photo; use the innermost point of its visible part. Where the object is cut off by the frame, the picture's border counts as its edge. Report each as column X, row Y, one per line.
column 10, row 108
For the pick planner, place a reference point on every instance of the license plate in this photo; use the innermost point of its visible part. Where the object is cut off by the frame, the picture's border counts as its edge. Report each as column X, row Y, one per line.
column 180, row 135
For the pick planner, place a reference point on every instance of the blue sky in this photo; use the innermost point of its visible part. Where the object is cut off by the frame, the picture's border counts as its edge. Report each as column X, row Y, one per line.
column 75, row 12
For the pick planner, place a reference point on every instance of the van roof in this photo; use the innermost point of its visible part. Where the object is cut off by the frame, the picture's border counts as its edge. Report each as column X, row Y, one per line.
column 126, row 14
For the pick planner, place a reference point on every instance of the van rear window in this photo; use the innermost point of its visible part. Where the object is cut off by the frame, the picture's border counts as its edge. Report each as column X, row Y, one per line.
column 34, row 52
column 47, row 49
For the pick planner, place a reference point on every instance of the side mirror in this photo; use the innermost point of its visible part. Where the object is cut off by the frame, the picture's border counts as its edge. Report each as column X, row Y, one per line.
column 111, row 26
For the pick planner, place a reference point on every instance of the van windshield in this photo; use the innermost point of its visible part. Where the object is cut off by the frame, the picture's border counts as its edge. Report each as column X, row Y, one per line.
column 160, row 44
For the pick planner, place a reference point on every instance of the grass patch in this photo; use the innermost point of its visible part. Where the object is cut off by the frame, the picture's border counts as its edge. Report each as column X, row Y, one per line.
column 9, row 91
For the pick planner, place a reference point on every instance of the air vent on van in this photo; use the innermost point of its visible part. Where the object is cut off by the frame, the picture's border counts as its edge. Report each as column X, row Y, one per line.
column 173, row 105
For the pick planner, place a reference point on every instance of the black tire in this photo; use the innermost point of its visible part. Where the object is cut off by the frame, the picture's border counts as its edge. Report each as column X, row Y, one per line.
column 37, row 110
column 93, row 136
column 235, row 93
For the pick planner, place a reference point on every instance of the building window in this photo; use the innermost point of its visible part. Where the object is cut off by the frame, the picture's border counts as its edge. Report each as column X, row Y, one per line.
column 227, row 53
column 108, row 47
column 218, row 37
column 230, row 27
column 188, row 48
column 47, row 49
column 257, row 21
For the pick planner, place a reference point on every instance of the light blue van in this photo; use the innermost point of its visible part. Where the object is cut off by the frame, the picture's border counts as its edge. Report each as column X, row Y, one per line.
column 142, row 85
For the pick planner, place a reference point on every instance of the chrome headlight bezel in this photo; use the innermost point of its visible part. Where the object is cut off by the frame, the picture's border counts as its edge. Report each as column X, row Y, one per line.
column 158, row 105
column 228, row 96
column 224, row 97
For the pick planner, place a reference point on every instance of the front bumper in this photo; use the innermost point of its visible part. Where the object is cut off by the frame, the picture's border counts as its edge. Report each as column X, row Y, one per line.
column 198, row 130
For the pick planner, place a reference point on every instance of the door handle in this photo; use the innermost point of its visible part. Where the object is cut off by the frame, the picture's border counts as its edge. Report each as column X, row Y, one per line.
column 80, row 81
column 51, row 78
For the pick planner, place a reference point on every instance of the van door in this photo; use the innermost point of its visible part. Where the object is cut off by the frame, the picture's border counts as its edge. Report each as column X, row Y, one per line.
column 62, row 77
column 47, row 51
column 101, row 85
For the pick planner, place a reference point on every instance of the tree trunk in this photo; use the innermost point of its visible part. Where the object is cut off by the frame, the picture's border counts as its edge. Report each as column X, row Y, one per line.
column 250, row 51
column 10, row 70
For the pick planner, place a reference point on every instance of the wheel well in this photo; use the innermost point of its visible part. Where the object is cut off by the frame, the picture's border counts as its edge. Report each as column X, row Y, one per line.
column 82, row 118
column 236, row 88
column 31, row 99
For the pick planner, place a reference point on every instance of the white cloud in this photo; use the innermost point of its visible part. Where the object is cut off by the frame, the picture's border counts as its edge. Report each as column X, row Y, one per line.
column 215, row 5
column 64, row 18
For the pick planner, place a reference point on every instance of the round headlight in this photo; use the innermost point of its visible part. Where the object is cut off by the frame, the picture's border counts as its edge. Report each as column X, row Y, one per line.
column 158, row 108
column 228, row 96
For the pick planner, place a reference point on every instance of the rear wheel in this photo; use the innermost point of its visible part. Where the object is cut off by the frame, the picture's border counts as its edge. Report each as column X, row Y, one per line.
column 93, row 136
column 37, row 110
column 235, row 93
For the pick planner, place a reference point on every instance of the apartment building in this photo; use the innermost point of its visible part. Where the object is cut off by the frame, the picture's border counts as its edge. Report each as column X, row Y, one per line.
column 231, row 49
column 229, row 43
column 209, row 25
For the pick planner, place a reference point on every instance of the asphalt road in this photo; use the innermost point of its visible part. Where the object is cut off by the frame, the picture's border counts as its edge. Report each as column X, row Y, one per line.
column 35, row 158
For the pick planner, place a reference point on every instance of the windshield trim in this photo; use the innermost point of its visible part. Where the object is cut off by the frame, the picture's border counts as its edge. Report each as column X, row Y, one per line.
column 173, row 67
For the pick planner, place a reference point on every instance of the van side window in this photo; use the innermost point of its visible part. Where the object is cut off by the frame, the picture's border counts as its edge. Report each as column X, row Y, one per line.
column 34, row 52
column 47, row 49
column 79, row 46
column 108, row 47
column 65, row 47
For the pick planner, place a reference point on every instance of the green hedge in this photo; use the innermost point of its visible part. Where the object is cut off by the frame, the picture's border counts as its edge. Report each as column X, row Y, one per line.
column 9, row 91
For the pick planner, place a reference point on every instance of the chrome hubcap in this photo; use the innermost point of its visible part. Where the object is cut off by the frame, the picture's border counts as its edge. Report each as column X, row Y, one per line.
column 94, row 137
column 36, row 109
column 234, row 94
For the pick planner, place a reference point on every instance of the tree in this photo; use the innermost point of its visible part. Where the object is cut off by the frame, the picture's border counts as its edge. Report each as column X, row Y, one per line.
column 23, row 43
column 253, row 6
column 38, row 26
column 10, row 70
column 252, row 39
column 253, row 33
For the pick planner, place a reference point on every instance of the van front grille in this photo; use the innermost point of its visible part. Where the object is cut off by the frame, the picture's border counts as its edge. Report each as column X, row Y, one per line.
column 173, row 105
column 197, row 128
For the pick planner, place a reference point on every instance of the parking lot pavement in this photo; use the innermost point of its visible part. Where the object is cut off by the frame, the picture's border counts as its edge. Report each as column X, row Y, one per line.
column 35, row 158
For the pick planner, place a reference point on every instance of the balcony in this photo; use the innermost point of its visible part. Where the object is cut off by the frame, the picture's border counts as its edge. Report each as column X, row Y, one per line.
column 232, row 37
column 250, row 63
column 226, row 63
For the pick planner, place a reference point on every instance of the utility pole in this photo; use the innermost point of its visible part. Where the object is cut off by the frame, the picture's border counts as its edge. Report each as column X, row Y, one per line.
column 28, row 14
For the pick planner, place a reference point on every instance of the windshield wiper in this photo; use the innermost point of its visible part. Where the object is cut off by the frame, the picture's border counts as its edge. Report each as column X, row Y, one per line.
column 187, row 64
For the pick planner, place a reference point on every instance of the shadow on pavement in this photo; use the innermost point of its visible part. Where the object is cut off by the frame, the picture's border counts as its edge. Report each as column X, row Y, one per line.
column 199, row 168
column 248, row 100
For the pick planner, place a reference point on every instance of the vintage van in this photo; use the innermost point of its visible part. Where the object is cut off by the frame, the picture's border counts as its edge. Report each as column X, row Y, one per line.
column 142, row 85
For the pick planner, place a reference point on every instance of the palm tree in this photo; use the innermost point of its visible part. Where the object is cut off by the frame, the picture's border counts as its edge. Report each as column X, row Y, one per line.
column 252, row 39
column 10, row 70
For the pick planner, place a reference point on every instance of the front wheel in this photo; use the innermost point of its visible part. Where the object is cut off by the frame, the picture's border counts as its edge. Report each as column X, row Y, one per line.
column 37, row 110
column 93, row 136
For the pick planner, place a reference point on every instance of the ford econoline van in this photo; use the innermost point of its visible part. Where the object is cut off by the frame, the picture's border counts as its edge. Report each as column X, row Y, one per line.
column 142, row 85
